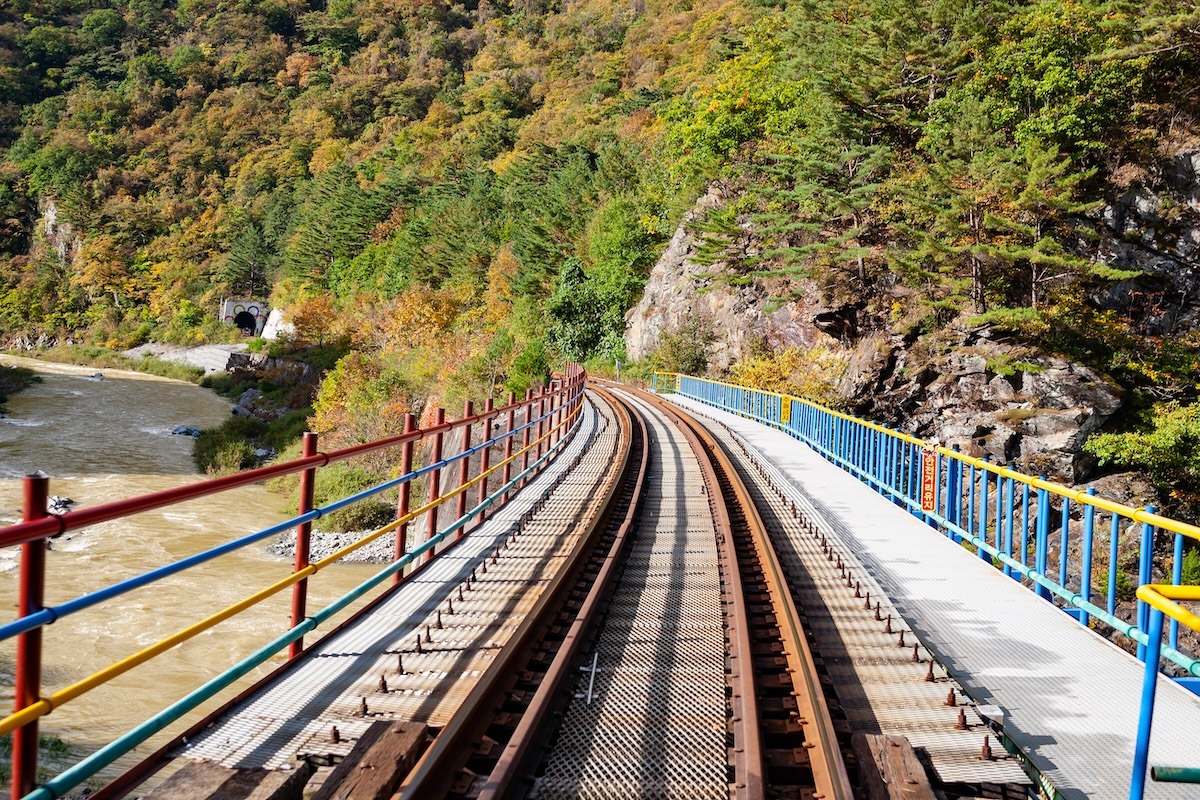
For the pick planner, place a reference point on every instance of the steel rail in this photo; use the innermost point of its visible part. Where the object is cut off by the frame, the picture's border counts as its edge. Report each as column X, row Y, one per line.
column 440, row 764
column 525, row 743
column 824, row 754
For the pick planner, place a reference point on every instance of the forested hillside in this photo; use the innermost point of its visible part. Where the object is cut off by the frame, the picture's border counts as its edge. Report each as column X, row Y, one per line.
column 456, row 196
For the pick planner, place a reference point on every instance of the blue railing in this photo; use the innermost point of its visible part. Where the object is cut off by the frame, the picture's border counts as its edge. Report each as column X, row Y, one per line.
column 1062, row 543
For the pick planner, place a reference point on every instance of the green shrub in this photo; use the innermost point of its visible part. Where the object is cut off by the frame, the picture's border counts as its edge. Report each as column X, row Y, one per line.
column 1168, row 448
column 341, row 480
column 230, row 446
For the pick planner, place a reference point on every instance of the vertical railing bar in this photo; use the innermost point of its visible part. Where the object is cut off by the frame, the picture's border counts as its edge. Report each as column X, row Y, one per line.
column 1114, row 542
column 1145, row 571
column 1064, row 541
column 1141, row 752
column 970, row 526
column 485, row 456
column 1024, row 524
column 308, row 485
column 509, row 421
column 1176, row 579
column 27, row 682
column 1041, row 539
column 984, row 481
column 1085, row 569
column 1010, row 511
column 434, row 490
column 464, row 466
column 404, row 501
column 526, row 434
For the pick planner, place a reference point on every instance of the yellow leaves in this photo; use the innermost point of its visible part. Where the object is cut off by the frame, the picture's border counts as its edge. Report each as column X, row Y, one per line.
column 811, row 372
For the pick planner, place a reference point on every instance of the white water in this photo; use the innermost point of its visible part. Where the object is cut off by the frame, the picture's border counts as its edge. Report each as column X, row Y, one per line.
column 101, row 441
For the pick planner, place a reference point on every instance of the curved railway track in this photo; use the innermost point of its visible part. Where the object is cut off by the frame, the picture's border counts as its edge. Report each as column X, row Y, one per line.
column 509, row 736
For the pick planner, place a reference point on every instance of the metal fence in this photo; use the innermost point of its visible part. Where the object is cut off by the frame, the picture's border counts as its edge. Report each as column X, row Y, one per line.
column 543, row 422
column 1063, row 544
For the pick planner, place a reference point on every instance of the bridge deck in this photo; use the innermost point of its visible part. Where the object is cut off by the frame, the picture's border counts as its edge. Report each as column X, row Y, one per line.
column 1070, row 697
column 292, row 717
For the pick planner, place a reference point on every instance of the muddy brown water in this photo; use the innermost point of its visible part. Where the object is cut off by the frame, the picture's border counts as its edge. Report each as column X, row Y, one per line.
column 102, row 440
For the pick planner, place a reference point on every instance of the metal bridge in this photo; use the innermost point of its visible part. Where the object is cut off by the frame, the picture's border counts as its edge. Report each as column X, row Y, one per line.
column 701, row 591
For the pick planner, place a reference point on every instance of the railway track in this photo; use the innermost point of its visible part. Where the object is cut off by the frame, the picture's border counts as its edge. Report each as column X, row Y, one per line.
column 679, row 638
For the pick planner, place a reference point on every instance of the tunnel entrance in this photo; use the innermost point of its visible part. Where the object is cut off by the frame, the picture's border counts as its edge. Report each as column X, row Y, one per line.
column 246, row 321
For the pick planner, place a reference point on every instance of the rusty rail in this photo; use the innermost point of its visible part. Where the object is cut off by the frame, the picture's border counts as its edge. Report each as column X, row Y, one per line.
column 443, row 762
column 764, row 752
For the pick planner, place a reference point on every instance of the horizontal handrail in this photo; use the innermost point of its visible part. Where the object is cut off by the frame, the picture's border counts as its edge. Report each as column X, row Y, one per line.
column 57, row 524
column 558, row 416
column 51, row 614
column 89, row 766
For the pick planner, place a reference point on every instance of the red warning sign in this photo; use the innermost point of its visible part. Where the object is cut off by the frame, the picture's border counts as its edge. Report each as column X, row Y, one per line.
column 929, row 476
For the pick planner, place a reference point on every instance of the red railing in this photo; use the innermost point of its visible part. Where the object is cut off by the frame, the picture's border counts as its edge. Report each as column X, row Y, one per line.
column 38, row 525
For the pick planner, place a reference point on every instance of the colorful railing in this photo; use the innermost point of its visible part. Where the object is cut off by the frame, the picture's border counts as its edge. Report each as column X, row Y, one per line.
column 1062, row 543
column 547, row 421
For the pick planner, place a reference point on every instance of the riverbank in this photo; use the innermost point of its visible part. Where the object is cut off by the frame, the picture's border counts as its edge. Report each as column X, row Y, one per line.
column 326, row 543
column 103, row 358
column 14, row 379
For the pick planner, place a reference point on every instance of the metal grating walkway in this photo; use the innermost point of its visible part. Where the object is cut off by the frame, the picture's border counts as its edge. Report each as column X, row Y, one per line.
column 879, row 687
column 1053, row 678
column 292, row 717
column 655, row 724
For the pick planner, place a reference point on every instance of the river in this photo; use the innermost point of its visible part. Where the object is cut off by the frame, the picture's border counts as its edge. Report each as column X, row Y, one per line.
column 101, row 440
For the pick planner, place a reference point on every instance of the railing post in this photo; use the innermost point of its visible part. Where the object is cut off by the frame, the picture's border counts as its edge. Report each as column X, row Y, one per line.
column 434, row 486
column 464, row 466
column 1085, row 571
column 510, row 420
column 1176, row 579
column 1114, row 543
column 308, row 484
column 405, row 500
column 27, row 684
column 526, row 434
column 1042, row 537
column 1145, row 572
column 984, row 481
column 1141, row 752
column 485, row 459
column 954, row 494
column 556, row 414
column 541, row 426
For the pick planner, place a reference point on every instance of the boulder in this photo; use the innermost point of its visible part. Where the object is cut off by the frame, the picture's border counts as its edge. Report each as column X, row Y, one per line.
column 185, row 430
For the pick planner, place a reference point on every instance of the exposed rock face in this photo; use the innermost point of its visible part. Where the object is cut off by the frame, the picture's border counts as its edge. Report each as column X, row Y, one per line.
column 1035, row 415
column 968, row 388
column 60, row 236
column 1155, row 226
column 679, row 290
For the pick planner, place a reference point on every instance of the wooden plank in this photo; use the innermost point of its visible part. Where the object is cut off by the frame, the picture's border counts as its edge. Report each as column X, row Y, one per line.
column 889, row 769
column 204, row 780
column 378, row 762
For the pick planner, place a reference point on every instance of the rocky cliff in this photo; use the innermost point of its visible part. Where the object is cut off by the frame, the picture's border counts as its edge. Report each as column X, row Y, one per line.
column 963, row 385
